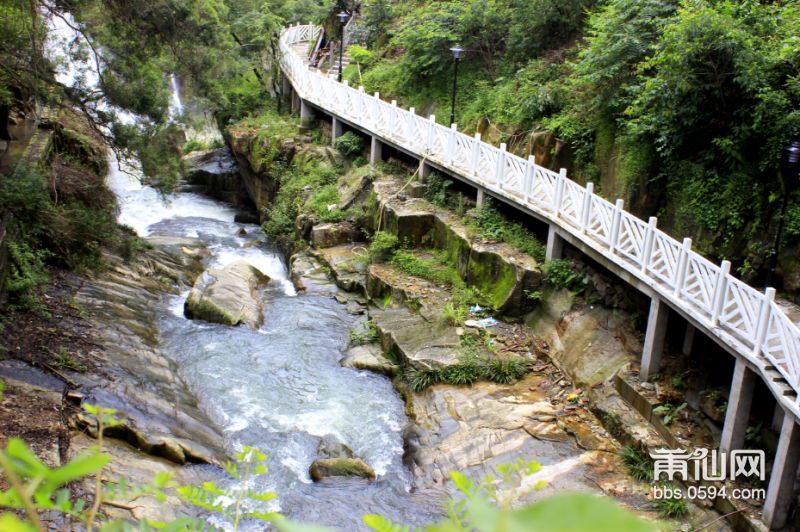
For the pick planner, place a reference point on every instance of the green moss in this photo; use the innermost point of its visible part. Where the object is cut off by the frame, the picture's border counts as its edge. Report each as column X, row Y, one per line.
column 492, row 276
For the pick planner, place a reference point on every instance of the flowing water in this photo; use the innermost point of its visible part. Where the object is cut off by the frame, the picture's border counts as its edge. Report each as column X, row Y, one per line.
column 280, row 388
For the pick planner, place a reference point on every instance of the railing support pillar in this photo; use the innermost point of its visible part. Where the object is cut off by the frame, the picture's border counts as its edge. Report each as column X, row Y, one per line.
column 738, row 413
column 683, row 265
column 784, row 471
column 615, row 222
column 501, row 166
column 555, row 244
column 719, row 291
column 410, row 128
column 763, row 321
column 587, row 207
column 648, row 243
column 654, row 338
column 476, row 151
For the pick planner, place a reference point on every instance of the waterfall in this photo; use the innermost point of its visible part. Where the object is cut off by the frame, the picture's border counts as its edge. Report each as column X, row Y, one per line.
column 177, row 107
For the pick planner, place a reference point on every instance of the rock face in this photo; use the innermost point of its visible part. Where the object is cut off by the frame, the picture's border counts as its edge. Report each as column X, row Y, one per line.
column 227, row 296
column 340, row 467
column 164, row 418
column 471, row 429
column 499, row 270
column 217, row 171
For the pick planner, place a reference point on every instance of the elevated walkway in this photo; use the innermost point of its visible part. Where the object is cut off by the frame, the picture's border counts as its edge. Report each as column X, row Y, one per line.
column 749, row 324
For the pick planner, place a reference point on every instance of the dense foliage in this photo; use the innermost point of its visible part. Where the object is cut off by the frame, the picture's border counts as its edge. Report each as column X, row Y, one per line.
column 680, row 107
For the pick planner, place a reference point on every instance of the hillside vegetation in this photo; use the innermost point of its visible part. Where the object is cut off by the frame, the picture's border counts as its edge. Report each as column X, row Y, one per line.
column 681, row 108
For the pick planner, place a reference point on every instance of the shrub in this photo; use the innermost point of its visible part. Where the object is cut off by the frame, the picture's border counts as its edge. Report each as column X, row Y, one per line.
column 436, row 192
column 382, row 247
column 559, row 273
column 131, row 245
column 350, row 143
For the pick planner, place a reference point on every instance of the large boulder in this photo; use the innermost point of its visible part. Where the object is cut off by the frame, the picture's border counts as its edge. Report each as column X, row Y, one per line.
column 415, row 341
column 340, row 467
column 329, row 235
column 227, row 296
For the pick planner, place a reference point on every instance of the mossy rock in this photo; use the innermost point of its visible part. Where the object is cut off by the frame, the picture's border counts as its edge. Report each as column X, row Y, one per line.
column 340, row 467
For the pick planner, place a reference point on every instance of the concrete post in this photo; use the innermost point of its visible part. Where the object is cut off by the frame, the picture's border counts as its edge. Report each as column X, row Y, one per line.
column 777, row 417
column 654, row 338
column 555, row 244
column 738, row 413
column 286, row 86
column 306, row 114
column 424, row 172
column 481, row 197
column 688, row 339
column 336, row 131
column 295, row 101
column 375, row 151
column 784, row 471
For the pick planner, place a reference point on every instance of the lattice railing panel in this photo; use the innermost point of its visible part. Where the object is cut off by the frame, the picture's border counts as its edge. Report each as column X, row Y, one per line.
column 740, row 309
column 571, row 207
column 782, row 346
column 631, row 239
column 701, row 279
column 664, row 258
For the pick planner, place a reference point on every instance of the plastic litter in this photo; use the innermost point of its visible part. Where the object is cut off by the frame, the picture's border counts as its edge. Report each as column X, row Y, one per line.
column 488, row 322
column 332, row 207
column 472, row 323
column 476, row 309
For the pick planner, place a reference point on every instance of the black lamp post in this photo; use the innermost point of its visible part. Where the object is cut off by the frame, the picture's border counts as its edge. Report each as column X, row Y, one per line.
column 789, row 169
column 343, row 16
column 457, row 52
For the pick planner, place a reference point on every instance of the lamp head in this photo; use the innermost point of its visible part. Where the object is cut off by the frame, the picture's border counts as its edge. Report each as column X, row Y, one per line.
column 457, row 51
column 343, row 17
column 790, row 165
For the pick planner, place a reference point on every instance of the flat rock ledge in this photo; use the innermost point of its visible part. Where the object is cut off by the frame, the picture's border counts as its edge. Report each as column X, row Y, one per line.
column 227, row 296
column 370, row 358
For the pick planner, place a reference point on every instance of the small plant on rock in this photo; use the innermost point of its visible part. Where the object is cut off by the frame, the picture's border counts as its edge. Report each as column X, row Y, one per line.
column 505, row 371
column 673, row 506
column 65, row 360
column 453, row 315
column 637, row 463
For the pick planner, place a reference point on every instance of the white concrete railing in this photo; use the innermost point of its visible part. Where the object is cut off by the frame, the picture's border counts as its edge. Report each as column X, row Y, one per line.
column 746, row 319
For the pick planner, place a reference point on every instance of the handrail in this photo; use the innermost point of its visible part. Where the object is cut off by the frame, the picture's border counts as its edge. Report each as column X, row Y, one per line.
column 746, row 319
